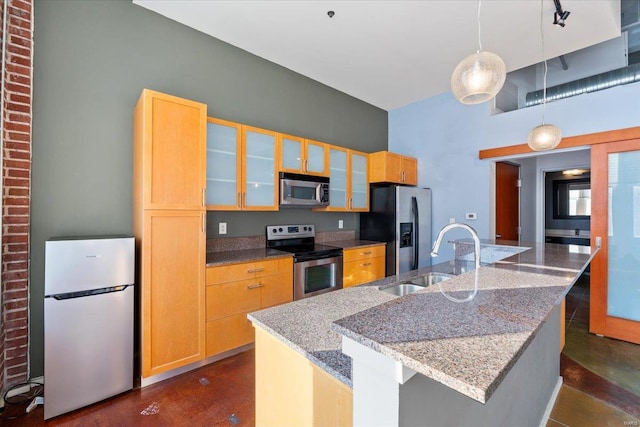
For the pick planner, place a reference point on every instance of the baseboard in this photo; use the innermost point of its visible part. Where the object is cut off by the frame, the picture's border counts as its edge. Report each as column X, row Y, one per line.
column 551, row 403
column 22, row 389
column 146, row 381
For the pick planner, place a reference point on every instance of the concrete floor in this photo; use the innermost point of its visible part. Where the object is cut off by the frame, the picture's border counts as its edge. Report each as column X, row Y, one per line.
column 601, row 376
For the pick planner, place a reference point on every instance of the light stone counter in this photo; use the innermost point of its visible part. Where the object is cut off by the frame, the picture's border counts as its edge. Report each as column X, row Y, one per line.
column 469, row 347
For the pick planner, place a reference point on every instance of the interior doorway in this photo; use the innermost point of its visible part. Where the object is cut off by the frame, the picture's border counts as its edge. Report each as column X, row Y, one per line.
column 507, row 201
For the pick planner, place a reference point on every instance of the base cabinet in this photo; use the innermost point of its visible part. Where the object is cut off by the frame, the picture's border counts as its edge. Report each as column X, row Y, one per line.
column 292, row 391
column 237, row 289
column 362, row 265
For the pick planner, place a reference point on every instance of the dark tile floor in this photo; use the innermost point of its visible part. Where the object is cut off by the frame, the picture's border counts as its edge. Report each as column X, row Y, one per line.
column 596, row 389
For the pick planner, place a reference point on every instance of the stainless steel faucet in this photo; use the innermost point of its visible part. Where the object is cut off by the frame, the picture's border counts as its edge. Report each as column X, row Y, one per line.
column 474, row 234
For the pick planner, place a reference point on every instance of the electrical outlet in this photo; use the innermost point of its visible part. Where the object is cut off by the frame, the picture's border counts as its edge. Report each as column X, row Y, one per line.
column 340, row 223
column 222, row 228
column 471, row 215
column 452, row 220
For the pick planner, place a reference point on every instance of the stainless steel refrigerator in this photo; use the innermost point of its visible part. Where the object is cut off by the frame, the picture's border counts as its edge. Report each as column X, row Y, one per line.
column 401, row 217
column 88, row 321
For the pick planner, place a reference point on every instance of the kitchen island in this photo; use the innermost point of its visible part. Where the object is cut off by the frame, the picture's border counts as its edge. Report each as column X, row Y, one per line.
column 423, row 358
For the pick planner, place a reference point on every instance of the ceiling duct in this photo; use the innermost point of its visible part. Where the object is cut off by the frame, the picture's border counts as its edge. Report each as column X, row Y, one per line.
column 621, row 76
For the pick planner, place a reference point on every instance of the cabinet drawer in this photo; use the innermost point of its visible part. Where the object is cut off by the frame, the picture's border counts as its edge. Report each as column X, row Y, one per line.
column 363, row 253
column 362, row 271
column 247, row 270
column 228, row 333
column 277, row 289
column 232, row 298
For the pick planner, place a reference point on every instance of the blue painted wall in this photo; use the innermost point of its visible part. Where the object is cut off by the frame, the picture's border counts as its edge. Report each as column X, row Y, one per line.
column 445, row 136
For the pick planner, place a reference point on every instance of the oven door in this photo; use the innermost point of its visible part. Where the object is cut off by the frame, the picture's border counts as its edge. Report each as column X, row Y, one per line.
column 317, row 276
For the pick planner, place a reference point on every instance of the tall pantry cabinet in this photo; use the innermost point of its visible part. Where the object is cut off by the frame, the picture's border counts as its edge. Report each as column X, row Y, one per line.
column 169, row 217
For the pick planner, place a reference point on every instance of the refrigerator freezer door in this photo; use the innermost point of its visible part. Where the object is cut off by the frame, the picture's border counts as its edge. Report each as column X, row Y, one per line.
column 88, row 350
column 413, row 206
column 74, row 265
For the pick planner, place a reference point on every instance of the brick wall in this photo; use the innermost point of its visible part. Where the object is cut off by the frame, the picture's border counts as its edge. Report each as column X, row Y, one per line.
column 16, row 190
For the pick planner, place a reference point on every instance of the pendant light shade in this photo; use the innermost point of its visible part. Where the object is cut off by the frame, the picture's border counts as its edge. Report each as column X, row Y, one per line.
column 478, row 78
column 544, row 137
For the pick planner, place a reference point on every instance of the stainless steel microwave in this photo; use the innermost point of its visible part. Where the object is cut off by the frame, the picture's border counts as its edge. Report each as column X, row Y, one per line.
column 303, row 191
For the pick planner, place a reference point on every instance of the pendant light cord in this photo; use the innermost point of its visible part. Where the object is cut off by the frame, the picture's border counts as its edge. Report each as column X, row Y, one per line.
column 479, row 33
column 544, row 58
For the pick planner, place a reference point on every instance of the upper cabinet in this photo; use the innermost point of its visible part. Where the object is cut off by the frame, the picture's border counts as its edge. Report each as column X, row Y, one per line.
column 393, row 168
column 241, row 167
column 349, row 186
column 304, row 156
column 172, row 136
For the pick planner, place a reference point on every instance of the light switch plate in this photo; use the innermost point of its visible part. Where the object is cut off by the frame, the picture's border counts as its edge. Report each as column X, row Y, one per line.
column 340, row 223
column 222, row 228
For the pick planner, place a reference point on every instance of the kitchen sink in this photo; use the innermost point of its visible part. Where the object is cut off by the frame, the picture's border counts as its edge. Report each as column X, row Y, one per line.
column 431, row 279
column 421, row 282
column 401, row 289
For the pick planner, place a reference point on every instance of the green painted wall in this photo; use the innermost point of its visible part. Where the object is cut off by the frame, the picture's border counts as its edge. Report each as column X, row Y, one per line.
column 92, row 60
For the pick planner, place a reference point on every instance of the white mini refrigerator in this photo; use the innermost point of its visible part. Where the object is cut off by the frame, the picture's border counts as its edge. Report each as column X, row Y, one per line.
column 88, row 320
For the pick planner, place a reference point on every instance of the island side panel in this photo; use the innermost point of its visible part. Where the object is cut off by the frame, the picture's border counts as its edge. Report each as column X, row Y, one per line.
column 292, row 391
column 521, row 398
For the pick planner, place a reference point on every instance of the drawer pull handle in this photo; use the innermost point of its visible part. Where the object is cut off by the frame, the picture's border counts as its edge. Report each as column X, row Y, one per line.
column 365, row 253
column 366, row 264
column 259, row 285
column 255, row 270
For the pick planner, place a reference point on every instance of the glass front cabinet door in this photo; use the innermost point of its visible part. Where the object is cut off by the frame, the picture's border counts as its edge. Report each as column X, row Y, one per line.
column 303, row 156
column 260, row 180
column 359, row 181
column 223, row 165
column 241, row 167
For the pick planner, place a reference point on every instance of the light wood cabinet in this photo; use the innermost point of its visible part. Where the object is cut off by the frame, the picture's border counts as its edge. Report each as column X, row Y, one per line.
column 236, row 289
column 348, row 173
column 292, row 391
column 241, row 167
column 385, row 166
column 169, row 225
column 362, row 265
column 299, row 155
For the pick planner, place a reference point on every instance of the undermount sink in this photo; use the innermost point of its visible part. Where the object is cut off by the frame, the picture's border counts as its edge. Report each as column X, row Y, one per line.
column 421, row 282
column 431, row 279
column 401, row 289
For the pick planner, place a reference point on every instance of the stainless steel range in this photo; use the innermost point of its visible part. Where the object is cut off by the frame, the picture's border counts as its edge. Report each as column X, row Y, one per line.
column 316, row 268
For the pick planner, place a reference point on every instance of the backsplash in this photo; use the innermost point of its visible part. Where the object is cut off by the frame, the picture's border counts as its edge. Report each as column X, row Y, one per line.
column 222, row 244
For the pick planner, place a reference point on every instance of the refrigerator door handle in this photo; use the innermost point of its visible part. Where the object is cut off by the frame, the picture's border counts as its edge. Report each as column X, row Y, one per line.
column 416, row 240
column 80, row 294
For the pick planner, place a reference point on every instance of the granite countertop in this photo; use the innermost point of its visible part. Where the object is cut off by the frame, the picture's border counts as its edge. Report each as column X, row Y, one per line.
column 469, row 346
column 243, row 255
column 259, row 254
column 352, row 243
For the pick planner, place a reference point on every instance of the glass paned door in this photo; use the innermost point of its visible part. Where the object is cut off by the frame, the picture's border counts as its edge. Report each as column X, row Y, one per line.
column 624, row 235
column 615, row 220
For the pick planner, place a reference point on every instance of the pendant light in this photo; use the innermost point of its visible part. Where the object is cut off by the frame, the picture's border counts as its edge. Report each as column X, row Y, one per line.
column 478, row 77
column 545, row 136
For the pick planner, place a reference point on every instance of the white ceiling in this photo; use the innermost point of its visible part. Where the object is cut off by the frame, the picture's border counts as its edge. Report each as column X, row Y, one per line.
column 393, row 53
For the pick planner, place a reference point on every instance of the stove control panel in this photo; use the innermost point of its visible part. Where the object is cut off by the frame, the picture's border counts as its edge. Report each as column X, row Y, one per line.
column 277, row 232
